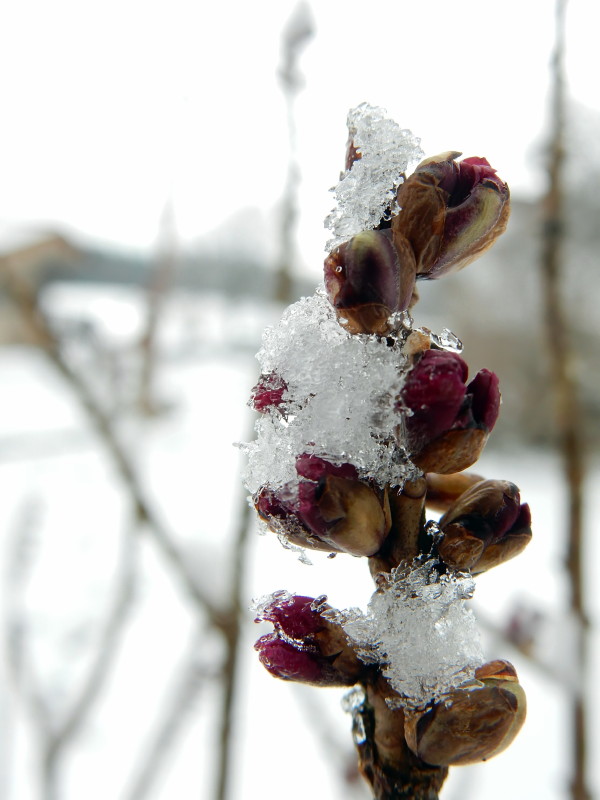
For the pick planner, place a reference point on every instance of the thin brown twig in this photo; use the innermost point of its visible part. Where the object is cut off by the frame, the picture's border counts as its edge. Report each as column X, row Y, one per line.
column 569, row 418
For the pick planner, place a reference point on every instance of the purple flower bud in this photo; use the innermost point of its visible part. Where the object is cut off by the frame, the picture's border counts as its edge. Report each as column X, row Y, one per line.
column 485, row 527
column 268, row 393
column 449, row 421
column 330, row 509
column 289, row 662
column 305, row 647
column 451, row 212
column 296, row 616
column 434, row 391
column 369, row 278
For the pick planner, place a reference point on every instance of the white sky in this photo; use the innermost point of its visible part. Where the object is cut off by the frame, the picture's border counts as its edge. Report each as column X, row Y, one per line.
column 112, row 107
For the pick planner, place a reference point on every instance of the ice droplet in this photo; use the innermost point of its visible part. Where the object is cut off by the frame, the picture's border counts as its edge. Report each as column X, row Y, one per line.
column 300, row 551
column 318, row 603
column 354, row 699
column 359, row 734
column 446, row 340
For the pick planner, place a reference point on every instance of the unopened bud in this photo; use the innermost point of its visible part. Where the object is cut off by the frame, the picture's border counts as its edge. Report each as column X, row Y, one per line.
column 485, row 527
column 470, row 724
column 330, row 509
column 306, row 647
column 367, row 279
column 448, row 421
column 451, row 212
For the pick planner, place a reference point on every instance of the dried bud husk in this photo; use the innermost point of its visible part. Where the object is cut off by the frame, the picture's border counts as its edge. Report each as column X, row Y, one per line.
column 367, row 279
column 485, row 527
column 451, row 212
column 305, row 646
column 470, row 724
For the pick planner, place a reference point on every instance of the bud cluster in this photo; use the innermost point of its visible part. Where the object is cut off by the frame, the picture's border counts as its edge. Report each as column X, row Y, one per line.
column 364, row 423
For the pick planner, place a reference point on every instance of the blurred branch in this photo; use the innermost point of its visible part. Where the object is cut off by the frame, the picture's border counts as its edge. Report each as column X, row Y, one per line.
column 232, row 653
column 183, row 697
column 160, row 282
column 569, row 415
column 298, row 31
column 499, row 633
column 342, row 758
column 55, row 735
column 106, row 649
column 27, row 303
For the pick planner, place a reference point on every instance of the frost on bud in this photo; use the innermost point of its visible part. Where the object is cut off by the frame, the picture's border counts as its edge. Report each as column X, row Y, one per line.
column 470, row 724
column 331, row 509
column 448, row 421
column 485, row 527
column 304, row 646
column 451, row 212
column 367, row 279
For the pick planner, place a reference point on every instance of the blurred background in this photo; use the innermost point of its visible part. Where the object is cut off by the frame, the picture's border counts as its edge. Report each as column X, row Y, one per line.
column 165, row 170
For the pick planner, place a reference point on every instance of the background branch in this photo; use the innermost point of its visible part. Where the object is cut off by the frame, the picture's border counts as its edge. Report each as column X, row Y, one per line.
column 27, row 303
column 569, row 413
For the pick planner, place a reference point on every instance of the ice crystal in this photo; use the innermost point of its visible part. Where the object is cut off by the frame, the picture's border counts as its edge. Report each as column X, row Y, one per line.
column 419, row 630
column 366, row 193
column 339, row 403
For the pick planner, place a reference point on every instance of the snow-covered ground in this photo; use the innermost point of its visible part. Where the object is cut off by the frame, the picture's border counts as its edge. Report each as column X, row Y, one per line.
column 65, row 520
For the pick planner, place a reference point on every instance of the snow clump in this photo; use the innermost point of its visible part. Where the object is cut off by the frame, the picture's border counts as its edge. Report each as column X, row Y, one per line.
column 366, row 193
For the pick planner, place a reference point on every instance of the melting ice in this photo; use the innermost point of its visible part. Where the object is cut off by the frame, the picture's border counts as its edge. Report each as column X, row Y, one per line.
column 420, row 631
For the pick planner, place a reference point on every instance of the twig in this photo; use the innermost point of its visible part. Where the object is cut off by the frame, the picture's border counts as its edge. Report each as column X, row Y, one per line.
column 568, row 410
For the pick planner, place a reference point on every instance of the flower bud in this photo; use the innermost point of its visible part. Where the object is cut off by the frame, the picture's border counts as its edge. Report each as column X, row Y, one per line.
column 306, row 647
column 367, row 279
column 444, row 490
column 331, row 509
column 451, row 212
column 449, row 421
column 470, row 724
column 268, row 393
column 485, row 527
